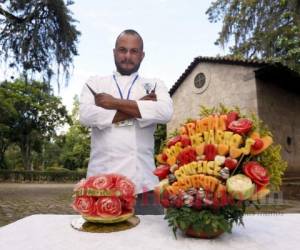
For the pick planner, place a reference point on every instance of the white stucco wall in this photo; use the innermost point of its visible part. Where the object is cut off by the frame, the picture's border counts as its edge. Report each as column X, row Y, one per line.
column 228, row 84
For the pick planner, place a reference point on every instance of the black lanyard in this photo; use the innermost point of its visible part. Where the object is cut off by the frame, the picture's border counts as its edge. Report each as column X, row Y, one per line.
column 129, row 91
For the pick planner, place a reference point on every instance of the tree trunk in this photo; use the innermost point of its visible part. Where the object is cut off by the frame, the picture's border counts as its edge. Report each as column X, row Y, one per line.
column 3, row 147
column 26, row 153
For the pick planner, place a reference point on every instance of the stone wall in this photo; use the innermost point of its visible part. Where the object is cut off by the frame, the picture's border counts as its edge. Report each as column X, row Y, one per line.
column 280, row 109
column 228, row 84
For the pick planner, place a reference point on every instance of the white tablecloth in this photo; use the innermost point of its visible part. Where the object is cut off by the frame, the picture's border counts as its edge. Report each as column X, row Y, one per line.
column 55, row 232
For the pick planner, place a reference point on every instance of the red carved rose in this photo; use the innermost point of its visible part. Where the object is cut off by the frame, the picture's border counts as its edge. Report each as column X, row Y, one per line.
column 84, row 205
column 100, row 182
column 108, row 206
column 125, row 186
column 241, row 126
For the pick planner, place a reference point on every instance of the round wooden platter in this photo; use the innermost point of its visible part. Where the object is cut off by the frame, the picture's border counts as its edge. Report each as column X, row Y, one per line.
column 82, row 225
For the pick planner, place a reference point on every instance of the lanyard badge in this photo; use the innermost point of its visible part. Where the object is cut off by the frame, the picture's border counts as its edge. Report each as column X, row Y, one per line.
column 130, row 121
column 129, row 90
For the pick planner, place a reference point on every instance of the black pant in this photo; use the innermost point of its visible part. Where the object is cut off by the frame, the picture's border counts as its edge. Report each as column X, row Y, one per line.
column 148, row 203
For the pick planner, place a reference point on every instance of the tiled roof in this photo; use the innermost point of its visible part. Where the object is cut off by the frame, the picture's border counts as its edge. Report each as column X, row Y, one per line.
column 234, row 61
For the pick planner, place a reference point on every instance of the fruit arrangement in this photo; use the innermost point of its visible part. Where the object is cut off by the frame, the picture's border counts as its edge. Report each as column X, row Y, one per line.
column 106, row 198
column 215, row 166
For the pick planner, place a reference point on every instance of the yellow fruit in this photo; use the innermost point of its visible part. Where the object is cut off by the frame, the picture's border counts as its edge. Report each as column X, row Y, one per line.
column 190, row 127
column 260, row 194
column 200, row 149
column 235, row 152
column 223, row 149
column 159, row 158
column 171, row 160
column 222, row 122
column 255, row 135
column 267, row 140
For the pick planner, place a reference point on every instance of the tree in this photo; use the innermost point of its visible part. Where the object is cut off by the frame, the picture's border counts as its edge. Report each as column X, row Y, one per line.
column 76, row 149
column 38, row 36
column 268, row 29
column 160, row 136
column 30, row 114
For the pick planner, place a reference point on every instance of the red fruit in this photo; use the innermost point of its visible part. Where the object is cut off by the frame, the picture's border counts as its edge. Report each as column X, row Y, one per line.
column 257, row 173
column 84, row 204
column 232, row 116
column 230, row 163
column 164, row 157
column 210, row 152
column 185, row 141
column 198, row 203
column 258, row 144
column 165, row 203
column 186, row 156
column 126, row 187
column 241, row 126
column 178, row 202
column 108, row 206
column 173, row 141
column 162, row 171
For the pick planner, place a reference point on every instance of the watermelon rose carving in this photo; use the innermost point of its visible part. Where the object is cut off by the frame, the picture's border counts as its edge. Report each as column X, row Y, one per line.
column 105, row 198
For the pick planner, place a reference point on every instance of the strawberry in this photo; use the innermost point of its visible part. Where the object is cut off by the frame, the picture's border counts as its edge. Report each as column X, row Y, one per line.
column 185, row 141
column 258, row 144
column 210, row 152
column 186, row 156
column 198, row 203
column 178, row 202
column 173, row 141
column 165, row 203
column 162, row 171
column 164, row 157
column 230, row 163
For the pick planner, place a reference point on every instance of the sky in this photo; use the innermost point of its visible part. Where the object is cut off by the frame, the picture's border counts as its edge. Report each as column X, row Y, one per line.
column 174, row 33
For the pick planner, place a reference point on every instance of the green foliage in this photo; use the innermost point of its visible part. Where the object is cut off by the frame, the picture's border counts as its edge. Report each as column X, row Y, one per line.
column 221, row 109
column 206, row 220
column 260, row 29
column 259, row 126
column 40, row 176
column 160, row 135
column 57, row 169
column 38, row 36
column 29, row 114
column 271, row 159
column 76, row 147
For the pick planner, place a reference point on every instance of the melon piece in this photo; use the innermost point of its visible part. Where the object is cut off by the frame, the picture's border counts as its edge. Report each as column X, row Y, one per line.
column 200, row 149
column 171, row 160
column 161, row 186
column 262, row 193
column 255, row 135
column 240, row 187
column 223, row 149
column 160, row 158
column 108, row 220
column 235, row 152
column 267, row 140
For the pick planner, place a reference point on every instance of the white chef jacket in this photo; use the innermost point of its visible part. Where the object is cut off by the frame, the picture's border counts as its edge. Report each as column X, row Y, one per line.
column 126, row 150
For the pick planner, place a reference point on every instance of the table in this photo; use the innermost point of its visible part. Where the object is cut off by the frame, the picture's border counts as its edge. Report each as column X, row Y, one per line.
column 47, row 232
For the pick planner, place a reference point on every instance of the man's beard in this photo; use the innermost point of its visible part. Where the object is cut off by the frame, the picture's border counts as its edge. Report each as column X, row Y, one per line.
column 123, row 71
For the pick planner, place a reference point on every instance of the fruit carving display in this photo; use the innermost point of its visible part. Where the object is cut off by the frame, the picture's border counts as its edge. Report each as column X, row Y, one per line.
column 106, row 198
column 216, row 165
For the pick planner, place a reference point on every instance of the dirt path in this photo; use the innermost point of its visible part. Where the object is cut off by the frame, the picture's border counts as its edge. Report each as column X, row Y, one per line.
column 20, row 200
